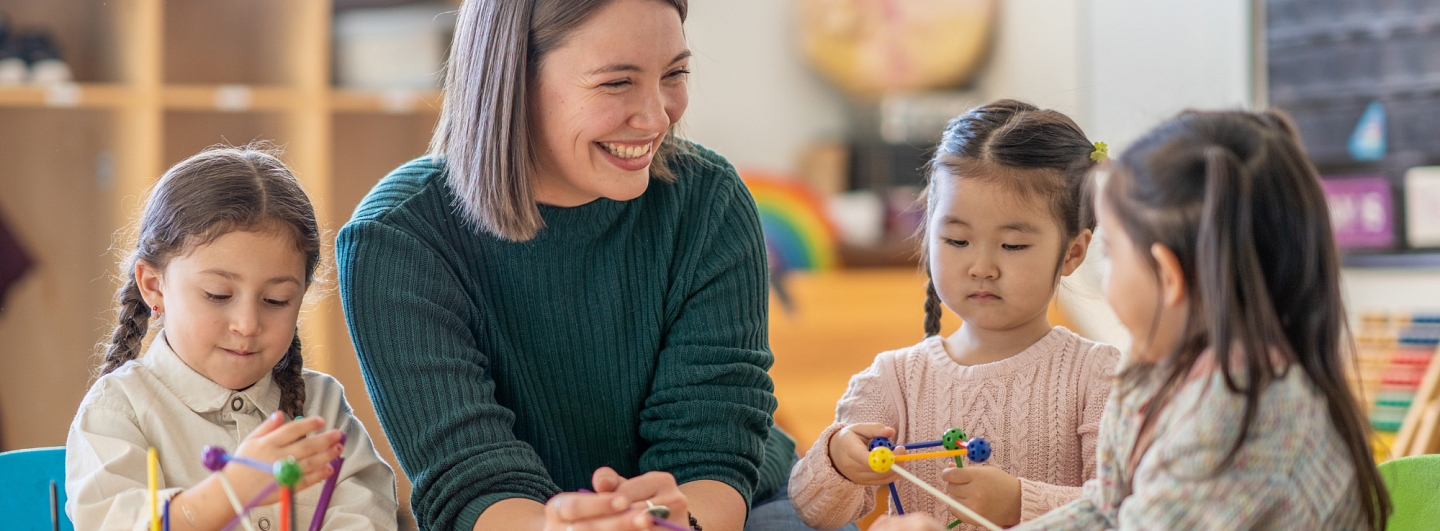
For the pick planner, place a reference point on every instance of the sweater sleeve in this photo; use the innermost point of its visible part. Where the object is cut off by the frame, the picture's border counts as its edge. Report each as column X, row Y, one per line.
column 1037, row 498
column 409, row 319
column 711, row 404
column 1085, row 513
column 825, row 498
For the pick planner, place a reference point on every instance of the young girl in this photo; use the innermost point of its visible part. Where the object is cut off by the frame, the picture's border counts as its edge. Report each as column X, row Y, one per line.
column 1006, row 218
column 228, row 244
column 1233, row 411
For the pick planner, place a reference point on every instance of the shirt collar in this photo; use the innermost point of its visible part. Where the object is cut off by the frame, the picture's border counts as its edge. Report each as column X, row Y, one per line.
column 199, row 393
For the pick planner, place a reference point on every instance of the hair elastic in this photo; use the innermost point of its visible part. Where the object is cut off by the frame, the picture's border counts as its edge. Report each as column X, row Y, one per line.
column 1101, row 153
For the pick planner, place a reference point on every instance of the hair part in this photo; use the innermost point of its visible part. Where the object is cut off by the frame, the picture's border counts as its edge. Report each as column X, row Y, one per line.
column 1031, row 151
column 218, row 191
column 1233, row 195
column 483, row 133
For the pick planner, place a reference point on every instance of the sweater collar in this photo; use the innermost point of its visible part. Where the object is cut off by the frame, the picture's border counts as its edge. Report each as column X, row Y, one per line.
column 201, row 394
column 1041, row 350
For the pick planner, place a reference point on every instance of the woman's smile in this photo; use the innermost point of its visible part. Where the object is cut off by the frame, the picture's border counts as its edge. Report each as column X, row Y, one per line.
column 628, row 155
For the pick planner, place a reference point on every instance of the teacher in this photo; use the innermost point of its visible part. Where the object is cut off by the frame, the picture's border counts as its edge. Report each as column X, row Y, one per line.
column 565, row 296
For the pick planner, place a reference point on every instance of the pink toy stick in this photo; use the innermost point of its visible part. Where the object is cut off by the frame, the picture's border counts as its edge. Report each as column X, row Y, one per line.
column 666, row 524
column 263, row 493
column 324, row 505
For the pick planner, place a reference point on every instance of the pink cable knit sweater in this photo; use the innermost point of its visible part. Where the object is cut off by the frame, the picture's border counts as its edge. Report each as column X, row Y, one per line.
column 1040, row 410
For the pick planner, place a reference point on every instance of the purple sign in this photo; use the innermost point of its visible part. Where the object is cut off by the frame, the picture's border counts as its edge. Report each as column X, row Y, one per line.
column 1360, row 211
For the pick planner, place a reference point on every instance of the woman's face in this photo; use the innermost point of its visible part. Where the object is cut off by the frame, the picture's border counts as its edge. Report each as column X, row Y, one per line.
column 604, row 100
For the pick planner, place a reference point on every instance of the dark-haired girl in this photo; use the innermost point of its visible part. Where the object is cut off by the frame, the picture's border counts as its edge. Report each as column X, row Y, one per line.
column 227, row 247
column 1233, row 412
column 1006, row 219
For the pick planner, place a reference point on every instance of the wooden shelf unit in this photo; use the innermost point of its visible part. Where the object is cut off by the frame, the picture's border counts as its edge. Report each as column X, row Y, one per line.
column 157, row 81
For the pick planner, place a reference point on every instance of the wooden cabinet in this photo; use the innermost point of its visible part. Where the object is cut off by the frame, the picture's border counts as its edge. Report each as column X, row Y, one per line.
column 157, row 81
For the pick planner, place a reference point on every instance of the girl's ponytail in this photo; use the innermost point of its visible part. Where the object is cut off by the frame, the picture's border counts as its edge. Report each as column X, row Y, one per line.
column 132, row 323
column 289, row 376
column 1230, row 279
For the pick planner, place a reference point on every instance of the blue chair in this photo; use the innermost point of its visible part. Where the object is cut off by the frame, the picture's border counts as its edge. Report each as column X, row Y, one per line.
column 25, row 495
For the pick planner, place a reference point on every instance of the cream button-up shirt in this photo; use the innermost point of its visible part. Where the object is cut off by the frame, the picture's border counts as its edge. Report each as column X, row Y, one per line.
column 160, row 401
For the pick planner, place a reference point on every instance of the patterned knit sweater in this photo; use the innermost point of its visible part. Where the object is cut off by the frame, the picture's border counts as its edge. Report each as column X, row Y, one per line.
column 1291, row 473
column 1040, row 410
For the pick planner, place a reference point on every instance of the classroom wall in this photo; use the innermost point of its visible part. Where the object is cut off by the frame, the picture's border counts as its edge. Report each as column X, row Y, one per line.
column 756, row 101
column 753, row 98
column 1146, row 61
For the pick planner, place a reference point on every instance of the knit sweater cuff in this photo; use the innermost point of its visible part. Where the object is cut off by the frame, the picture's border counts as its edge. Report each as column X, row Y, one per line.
column 824, row 498
column 1037, row 498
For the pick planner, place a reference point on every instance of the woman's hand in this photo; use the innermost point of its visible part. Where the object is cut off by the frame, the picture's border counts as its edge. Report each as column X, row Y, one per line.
column 276, row 439
column 909, row 522
column 657, row 488
column 590, row 511
column 850, row 453
column 989, row 491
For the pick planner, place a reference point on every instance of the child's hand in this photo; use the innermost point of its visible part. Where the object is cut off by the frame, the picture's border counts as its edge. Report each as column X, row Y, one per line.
column 850, row 453
column 909, row 522
column 989, row 491
column 274, row 440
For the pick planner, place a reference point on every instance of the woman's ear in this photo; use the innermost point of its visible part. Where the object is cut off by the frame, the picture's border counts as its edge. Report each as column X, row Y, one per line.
column 1172, row 276
column 147, row 278
column 1075, row 253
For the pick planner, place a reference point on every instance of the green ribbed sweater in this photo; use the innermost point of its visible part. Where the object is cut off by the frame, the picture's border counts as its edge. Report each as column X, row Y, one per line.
column 626, row 334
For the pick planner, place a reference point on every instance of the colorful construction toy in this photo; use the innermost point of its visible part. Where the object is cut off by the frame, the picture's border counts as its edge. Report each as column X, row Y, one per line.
column 883, row 459
column 287, row 474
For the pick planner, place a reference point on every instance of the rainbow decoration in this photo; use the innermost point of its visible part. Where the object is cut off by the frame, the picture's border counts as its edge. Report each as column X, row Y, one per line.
column 798, row 233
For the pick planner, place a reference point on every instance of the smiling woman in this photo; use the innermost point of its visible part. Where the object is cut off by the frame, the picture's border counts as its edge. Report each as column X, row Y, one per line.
column 580, row 108
column 563, row 295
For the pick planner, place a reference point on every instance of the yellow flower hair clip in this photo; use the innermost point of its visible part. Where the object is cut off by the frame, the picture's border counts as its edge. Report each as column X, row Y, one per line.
column 1101, row 153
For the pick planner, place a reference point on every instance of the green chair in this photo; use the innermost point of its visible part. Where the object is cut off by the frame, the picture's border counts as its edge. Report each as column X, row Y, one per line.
column 1414, row 484
column 26, row 499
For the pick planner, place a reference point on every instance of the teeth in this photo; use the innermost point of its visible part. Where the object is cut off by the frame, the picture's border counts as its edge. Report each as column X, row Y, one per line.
column 626, row 152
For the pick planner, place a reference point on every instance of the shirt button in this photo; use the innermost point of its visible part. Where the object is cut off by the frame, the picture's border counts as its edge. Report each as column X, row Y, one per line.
column 264, row 524
column 236, row 404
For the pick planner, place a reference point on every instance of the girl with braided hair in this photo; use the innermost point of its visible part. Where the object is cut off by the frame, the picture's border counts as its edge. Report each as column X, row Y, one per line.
column 1005, row 218
column 227, row 246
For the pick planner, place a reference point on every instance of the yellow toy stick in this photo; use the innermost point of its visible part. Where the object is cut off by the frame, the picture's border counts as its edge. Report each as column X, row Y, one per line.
column 152, row 462
column 930, row 455
column 945, row 498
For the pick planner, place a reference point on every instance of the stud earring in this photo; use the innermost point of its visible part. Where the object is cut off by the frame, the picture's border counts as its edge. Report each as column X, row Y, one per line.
column 155, row 311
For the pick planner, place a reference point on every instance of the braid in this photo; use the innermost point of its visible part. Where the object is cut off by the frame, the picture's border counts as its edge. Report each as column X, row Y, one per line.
column 131, row 324
column 932, row 310
column 289, row 376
